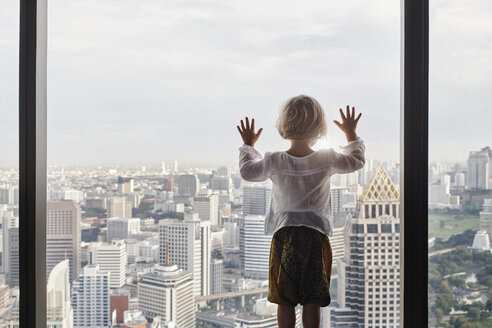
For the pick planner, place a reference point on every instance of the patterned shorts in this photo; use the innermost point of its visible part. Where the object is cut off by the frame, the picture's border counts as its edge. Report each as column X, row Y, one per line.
column 300, row 267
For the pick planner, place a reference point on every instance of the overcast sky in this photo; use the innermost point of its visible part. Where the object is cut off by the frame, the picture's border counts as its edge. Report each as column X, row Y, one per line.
column 140, row 82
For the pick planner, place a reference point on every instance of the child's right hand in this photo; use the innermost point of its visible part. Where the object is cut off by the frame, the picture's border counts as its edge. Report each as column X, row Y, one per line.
column 248, row 133
column 349, row 123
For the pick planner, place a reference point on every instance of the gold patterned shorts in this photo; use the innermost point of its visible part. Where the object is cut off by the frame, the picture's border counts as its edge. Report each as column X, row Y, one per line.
column 300, row 267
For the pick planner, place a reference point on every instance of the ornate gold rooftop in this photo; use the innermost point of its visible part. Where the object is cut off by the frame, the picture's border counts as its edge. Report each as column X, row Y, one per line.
column 380, row 188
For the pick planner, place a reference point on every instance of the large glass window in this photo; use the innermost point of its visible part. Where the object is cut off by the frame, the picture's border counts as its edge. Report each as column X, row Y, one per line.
column 9, row 166
column 460, row 195
column 143, row 184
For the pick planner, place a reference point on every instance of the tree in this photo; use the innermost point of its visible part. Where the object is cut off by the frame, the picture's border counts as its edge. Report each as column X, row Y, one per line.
column 473, row 314
column 488, row 306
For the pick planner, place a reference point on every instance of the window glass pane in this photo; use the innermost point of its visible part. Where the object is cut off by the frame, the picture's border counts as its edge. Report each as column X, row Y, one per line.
column 460, row 192
column 144, row 185
column 9, row 166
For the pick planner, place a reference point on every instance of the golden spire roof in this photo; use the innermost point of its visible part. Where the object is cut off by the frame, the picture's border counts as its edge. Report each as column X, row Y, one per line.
column 381, row 188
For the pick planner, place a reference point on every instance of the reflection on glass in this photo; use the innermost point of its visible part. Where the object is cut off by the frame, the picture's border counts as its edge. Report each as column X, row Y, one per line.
column 460, row 190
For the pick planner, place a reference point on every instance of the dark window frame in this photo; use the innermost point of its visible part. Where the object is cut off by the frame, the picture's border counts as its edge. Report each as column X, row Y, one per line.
column 32, row 162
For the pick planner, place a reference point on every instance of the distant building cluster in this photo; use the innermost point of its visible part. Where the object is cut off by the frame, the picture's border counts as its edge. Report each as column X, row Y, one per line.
column 176, row 248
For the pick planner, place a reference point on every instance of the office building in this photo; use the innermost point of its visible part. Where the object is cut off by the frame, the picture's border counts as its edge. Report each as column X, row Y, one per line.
column 59, row 312
column 479, row 169
column 90, row 298
column 207, row 208
column 216, row 276
column 188, row 184
column 486, row 217
column 13, row 246
column 190, row 248
column 63, row 235
column 119, row 300
column 119, row 206
column 256, row 251
column 125, row 185
column 368, row 290
column 111, row 258
column 256, row 199
column 168, row 292
column 122, row 228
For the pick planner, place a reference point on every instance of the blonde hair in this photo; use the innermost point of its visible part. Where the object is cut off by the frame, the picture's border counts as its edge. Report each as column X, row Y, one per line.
column 301, row 117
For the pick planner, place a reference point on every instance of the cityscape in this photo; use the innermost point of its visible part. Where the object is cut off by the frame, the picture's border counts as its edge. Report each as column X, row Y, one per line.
column 171, row 247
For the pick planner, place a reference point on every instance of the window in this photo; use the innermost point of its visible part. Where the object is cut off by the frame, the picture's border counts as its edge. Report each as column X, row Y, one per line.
column 459, row 186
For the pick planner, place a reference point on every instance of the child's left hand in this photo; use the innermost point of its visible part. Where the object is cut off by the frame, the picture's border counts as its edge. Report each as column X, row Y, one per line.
column 248, row 133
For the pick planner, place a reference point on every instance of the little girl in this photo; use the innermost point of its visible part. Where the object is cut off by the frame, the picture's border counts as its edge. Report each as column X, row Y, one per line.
column 299, row 212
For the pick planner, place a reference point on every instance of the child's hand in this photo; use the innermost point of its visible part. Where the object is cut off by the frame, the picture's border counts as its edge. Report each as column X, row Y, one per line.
column 248, row 133
column 349, row 123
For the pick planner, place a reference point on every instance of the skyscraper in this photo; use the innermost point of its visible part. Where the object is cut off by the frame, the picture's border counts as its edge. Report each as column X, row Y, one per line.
column 119, row 206
column 368, row 289
column 90, row 298
column 479, row 169
column 188, row 184
column 486, row 217
column 63, row 235
column 190, row 248
column 256, row 251
column 59, row 310
column 112, row 258
column 125, row 185
column 256, row 199
column 122, row 228
column 168, row 292
column 13, row 246
column 216, row 276
column 207, row 208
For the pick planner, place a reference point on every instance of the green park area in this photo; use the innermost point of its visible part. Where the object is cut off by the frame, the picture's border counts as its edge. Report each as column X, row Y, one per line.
column 444, row 226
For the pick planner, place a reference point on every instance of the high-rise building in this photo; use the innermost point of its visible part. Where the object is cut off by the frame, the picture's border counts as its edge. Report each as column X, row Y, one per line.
column 9, row 221
column 486, row 217
column 479, row 169
column 207, row 208
column 6, row 195
column 256, row 199
column 90, row 298
column 119, row 206
column 337, row 244
column 125, row 185
column 368, row 290
column 190, row 248
column 13, row 242
column 122, row 228
column 119, row 300
column 168, row 292
column 219, row 182
column 112, row 258
column 59, row 310
column 169, row 184
column 256, row 251
column 63, row 235
column 231, row 235
column 216, row 276
column 188, row 184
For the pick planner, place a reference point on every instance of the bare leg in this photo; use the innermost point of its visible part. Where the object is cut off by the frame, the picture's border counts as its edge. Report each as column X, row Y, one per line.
column 286, row 316
column 311, row 315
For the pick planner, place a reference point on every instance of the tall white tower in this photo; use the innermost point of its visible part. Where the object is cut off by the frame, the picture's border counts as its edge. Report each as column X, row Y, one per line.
column 112, row 259
column 63, row 235
column 207, row 208
column 190, row 248
column 369, row 274
column 90, row 298
column 59, row 310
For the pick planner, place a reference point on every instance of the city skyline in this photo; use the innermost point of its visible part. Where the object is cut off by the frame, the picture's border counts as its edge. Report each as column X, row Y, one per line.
column 180, row 65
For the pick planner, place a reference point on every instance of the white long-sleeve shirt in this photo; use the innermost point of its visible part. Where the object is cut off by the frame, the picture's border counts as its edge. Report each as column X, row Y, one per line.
column 301, row 185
